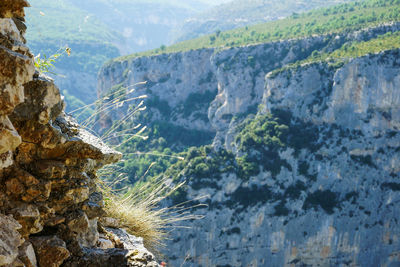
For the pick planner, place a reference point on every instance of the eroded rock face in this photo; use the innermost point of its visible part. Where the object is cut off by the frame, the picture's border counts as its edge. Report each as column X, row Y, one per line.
column 363, row 94
column 10, row 138
column 16, row 69
column 331, row 196
column 51, row 250
column 168, row 81
column 333, row 201
column 114, row 253
column 27, row 255
column 220, row 84
column 10, row 239
column 49, row 202
column 13, row 8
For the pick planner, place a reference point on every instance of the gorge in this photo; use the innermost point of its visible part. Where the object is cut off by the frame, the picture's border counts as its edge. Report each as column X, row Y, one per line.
column 298, row 150
column 287, row 133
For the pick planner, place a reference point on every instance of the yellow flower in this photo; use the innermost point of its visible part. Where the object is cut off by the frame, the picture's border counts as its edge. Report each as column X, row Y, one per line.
column 68, row 50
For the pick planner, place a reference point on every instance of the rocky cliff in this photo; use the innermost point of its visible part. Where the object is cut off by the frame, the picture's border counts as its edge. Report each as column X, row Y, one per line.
column 218, row 84
column 334, row 199
column 50, row 206
column 304, row 167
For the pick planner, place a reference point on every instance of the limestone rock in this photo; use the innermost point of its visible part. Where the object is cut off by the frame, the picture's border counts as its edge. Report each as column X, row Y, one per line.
column 138, row 255
column 240, row 84
column 83, row 229
column 13, row 8
column 10, row 138
column 50, row 250
column 48, row 165
column 334, row 201
column 104, row 243
column 9, row 29
column 29, row 217
column 132, row 253
column 14, row 187
column 6, row 160
column 17, row 68
column 49, row 169
column 109, row 222
column 22, row 185
column 363, row 89
column 100, row 257
column 43, row 101
column 10, row 239
column 27, row 255
column 93, row 207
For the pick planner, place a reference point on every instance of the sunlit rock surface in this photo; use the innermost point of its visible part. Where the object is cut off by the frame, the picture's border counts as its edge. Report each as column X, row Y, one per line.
column 334, row 201
column 49, row 202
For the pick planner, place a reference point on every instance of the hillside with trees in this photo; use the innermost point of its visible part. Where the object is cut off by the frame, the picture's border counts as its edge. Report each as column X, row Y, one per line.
column 239, row 13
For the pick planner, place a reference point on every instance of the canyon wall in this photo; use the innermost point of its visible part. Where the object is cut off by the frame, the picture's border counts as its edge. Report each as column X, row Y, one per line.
column 329, row 195
column 221, row 83
column 334, row 200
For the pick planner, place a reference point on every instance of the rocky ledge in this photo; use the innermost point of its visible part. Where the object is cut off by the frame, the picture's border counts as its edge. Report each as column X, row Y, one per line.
column 49, row 201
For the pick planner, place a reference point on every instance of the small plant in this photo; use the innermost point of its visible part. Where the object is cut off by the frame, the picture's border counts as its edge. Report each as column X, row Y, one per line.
column 44, row 64
column 139, row 210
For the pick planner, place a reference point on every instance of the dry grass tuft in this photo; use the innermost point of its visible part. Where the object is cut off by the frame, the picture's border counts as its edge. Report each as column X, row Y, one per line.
column 140, row 210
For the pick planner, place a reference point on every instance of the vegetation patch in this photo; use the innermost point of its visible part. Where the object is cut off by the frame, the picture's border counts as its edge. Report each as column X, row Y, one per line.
column 391, row 186
column 352, row 197
column 250, row 196
column 303, row 168
column 337, row 58
column 293, row 192
column 197, row 101
column 326, row 199
column 365, row 160
column 337, row 19
column 281, row 209
column 118, row 91
column 235, row 230
column 160, row 104
column 260, row 141
column 165, row 146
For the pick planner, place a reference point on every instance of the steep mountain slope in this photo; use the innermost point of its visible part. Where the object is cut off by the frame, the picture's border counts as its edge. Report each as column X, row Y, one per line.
column 312, row 178
column 143, row 24
column 179, row 101
column 98, row 30
column 347, row 17
column 239, row 13
column 57, row 24
column 303, row 165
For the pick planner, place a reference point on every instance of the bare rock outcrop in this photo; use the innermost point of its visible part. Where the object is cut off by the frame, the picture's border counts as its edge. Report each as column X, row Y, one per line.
column 49, row 201
column 327, row 195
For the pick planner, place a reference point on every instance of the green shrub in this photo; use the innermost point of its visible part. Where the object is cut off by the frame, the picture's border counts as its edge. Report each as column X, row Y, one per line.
column 326, row 199
column 161, row 105
column 196, row 101
column 353, row 16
